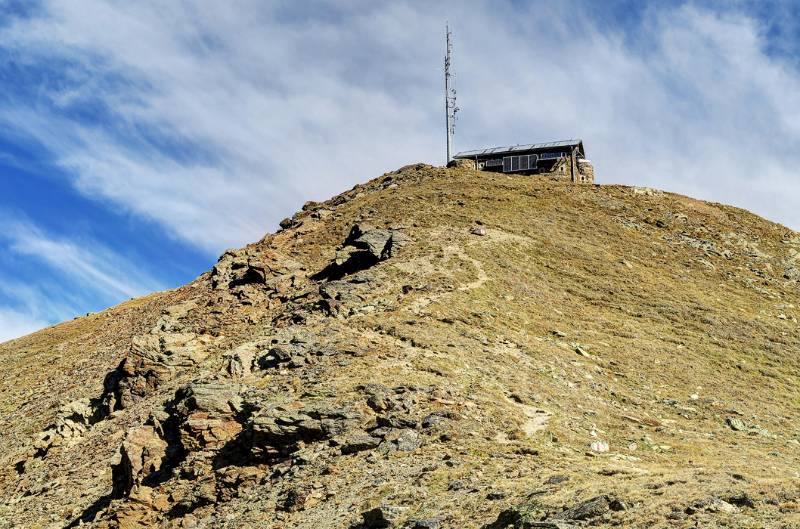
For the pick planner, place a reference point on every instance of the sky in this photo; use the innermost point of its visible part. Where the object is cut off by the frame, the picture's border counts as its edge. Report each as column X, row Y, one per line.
column 139, row 140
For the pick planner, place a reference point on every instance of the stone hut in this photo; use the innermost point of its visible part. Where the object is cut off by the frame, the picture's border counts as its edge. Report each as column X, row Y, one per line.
column 565, row 160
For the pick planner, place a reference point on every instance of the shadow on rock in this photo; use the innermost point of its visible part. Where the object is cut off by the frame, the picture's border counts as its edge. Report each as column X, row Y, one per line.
column 363, row 248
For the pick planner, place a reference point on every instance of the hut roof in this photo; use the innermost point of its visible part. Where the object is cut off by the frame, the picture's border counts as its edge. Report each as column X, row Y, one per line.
column 498, row 151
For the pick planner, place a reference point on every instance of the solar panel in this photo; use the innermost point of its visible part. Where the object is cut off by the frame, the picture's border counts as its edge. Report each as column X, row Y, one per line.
column 518, row 148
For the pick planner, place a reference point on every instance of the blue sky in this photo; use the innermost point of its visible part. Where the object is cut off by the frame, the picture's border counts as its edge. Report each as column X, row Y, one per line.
column 138, row 140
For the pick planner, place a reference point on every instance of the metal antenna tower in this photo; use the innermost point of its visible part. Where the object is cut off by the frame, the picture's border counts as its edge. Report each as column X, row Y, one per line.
column 449, row 96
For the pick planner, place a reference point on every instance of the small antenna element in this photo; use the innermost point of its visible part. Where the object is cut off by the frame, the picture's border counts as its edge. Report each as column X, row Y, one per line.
column 449, row 96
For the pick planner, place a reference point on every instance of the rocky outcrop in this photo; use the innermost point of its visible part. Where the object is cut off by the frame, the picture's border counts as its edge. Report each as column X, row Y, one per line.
column 249, row 266
column 168, row 465
column 530, row 515
column 154, row 359
column 142, row 455
column 363, row 248
column 215, row 436
column 209, row 415
column 72, row 422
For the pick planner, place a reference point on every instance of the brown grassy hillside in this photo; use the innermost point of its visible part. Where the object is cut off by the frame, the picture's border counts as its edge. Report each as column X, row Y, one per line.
column 436, row 348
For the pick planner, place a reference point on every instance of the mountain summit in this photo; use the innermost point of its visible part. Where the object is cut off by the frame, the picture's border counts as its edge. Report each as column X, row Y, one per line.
column 437, row 348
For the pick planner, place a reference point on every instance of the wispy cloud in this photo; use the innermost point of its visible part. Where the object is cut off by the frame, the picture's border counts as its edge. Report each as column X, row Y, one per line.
column 91, row 266
column 42, row 301
column 14, row 324
column 216, row 122
column 223, row 120
column 55, row 278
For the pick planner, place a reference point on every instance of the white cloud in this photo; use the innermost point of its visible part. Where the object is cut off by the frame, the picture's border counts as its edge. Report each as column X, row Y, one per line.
column 14, row 324
column 87, row 264
column 55, row 278
column 44, row 301
column 289, row 102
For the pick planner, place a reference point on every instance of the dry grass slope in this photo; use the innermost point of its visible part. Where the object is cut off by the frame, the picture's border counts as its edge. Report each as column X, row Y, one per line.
column 588, row 342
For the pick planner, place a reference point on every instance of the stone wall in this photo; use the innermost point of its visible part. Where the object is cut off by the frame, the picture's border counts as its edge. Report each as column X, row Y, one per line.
column 585, row 172
column 563, row 169
column 560, row 169
column 462, row 164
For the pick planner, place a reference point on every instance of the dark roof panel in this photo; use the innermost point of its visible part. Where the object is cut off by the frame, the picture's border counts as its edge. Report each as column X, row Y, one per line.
column 516, row 148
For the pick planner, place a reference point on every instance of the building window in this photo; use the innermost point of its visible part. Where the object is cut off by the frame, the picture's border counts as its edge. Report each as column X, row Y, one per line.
column 524, row 162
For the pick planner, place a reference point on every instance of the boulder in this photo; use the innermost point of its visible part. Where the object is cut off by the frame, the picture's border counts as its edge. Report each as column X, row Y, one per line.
column 143, row 453
column 242, row 358
column 401, row 440
column 153, row 359
column 278, row 430
column 380, row 398
column 592, row 508
column 363, row 248
column 72, row 421
column 357, row 442
column 375, row 241
column 383, row 516
column 289, row 222
column 736, row 424
column 209, row 415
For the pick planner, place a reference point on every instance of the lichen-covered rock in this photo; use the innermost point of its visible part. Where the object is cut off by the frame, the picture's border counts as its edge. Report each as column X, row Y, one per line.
column 380, row 243
column 242, row 359
column 209, row 415
column 72, row 421
column 279, row 429
column 363, row 248
column 357, row 442
column 591, row 508
column 143, row 453
column 252, row 267
column 401, row 440
column 153, row 359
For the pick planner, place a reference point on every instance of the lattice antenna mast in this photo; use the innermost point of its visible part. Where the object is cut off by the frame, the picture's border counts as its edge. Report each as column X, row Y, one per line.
column 449, row 95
